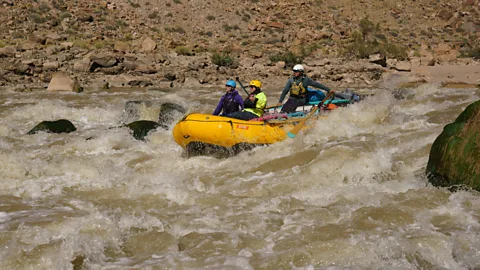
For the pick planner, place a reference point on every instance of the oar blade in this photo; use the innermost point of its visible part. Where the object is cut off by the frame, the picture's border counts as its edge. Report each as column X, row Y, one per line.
column 300, row 125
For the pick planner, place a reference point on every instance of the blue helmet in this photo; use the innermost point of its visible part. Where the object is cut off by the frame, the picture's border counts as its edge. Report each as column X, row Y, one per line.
column 231, row 83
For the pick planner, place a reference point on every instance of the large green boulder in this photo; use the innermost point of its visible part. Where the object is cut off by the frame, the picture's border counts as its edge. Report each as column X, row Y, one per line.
column 58, row 126
column 455, row 155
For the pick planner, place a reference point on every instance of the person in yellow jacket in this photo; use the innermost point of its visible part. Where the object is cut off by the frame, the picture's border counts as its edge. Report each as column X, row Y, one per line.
column 253, row 104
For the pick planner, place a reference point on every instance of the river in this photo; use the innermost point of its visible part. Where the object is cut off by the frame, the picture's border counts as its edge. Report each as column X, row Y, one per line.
column 351, row 193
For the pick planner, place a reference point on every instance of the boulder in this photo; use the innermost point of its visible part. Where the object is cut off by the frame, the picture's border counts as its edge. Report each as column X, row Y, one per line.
column 58, row 126
column 62, row 82
column 455, row 155
column 103, row 60
column 169, row 112
column 164, row 113
column 141, row 128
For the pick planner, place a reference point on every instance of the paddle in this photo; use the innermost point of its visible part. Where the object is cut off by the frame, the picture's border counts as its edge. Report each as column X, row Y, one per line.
column 238, row 80
column 300, row 125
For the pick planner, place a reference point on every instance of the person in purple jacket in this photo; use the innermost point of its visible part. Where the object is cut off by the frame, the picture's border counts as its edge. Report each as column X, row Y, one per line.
column 230, row 102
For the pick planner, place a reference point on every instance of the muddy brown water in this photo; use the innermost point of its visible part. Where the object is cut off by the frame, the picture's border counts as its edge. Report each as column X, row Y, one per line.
column 350, row 193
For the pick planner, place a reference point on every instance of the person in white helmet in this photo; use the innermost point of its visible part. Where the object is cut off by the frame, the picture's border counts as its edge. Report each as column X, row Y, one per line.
column 298, row 85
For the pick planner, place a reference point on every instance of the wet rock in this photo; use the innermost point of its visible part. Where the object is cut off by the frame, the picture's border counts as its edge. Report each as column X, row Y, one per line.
column 164, row 113
column 142, row 128
column 169, row 112
column 58, row 126
column 139, row 83
column 455, row 154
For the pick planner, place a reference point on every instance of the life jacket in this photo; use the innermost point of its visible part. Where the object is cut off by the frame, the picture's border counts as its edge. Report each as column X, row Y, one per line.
column 229, row 103
column 298, row 90
column 257, row 106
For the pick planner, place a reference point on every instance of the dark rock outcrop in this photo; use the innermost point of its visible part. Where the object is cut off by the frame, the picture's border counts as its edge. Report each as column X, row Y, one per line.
column 58, row 126
column 455, row 155
column 142, row 128
column 169, row 112
column 164, row 113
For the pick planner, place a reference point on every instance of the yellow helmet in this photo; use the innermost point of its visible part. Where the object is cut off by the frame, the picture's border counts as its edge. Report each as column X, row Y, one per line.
column 256, row 83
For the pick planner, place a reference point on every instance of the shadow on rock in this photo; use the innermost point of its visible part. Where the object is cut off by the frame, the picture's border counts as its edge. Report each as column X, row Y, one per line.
column 58, row 126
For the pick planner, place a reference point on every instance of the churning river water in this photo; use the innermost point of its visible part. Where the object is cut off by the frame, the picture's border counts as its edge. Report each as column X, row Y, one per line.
column 351, row 193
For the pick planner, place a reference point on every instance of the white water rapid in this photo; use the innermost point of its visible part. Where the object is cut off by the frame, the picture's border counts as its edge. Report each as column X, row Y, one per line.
column 351, row 193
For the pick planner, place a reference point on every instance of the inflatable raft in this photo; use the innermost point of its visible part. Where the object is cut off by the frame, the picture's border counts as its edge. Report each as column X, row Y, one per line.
column 208, row 134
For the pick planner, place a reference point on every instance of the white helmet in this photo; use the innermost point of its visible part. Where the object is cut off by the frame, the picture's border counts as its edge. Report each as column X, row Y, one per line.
column 298, row 67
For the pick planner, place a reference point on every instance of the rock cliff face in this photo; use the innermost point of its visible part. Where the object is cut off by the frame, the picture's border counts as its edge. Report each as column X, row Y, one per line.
column 455, row 155
column 206, row 42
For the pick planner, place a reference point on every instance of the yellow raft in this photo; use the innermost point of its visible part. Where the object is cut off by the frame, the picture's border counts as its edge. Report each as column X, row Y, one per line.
column 196, row 131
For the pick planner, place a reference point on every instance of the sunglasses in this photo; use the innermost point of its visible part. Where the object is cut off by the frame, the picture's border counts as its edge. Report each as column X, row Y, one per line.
column 296, row 70
column 251, row 86
column 228, row 86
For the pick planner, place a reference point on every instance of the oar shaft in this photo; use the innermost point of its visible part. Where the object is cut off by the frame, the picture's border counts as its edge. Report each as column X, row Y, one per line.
column 239, row 82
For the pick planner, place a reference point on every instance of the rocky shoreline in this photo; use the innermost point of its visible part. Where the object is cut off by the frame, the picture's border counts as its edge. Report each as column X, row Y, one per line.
column 118, row 44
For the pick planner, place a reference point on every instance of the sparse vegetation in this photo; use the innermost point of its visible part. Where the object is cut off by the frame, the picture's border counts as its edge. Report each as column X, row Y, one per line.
column 210, row 17
column 37, row 18
column 370, row 40
column 473, row 52
column 176, row 29
column 135, row 5
column 65, row 15
column 182, row 50
column 153, row 15
column 229, row 28
column 44, row 8
column 223, row 59
column 122, row 23
column 288, row 57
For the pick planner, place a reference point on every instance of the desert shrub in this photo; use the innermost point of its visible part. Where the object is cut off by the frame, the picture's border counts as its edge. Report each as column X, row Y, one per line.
column 38, row 18
column 210, row 17
column 182, row 50
column 100, row 44
column 223, row 59
column 81, row 44
column 176, row 29
column 44, row 8
column 65, row 15
column 228, row 28
column 59, row 4
column 366, row 27
column 473, row 52
column 369, row 39
column 2, row 44
column 122, row 23
column 135, row 5
column 208, row 33
column 395, row 51
column 288, row 57
column 153, row 15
